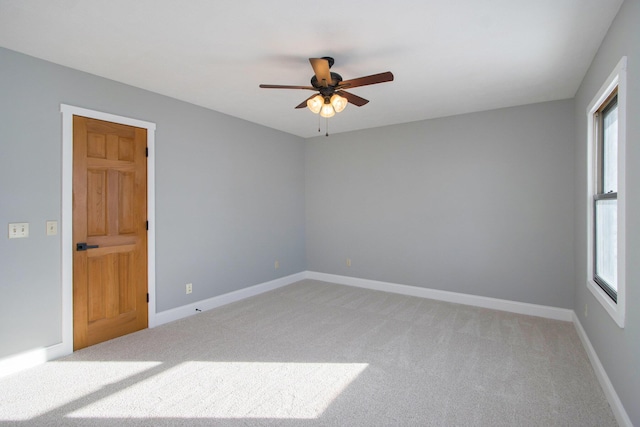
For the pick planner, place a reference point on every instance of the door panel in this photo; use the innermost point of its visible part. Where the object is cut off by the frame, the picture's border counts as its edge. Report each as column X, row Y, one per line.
column 96, row 202
column 109, row 212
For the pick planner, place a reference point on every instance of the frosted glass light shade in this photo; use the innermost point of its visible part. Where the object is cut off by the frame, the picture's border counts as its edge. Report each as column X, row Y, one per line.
column 315, row 104
column 339, row 103
column 327, row 111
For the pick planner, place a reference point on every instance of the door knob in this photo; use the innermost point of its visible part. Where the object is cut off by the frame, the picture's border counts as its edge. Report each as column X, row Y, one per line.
column 83, row 246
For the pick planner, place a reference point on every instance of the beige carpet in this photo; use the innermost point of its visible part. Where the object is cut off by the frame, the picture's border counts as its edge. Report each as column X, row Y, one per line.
column 314, row 353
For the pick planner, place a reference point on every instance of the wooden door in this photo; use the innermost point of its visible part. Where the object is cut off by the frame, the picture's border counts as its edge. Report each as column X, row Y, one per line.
column 110, row 217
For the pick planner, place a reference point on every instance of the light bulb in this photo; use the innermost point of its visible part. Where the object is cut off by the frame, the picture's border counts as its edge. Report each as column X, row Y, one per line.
column 339, row 103
column 327, row 111
column 315, row 104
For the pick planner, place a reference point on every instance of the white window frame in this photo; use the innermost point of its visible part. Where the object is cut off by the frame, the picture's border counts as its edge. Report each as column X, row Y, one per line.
column 618, row 78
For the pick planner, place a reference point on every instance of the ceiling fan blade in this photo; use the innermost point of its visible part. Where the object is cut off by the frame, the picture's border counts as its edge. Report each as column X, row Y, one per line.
column 287, row 87
column 367, row 80
column 321, row 68
column 353, row 99
column 303, row 104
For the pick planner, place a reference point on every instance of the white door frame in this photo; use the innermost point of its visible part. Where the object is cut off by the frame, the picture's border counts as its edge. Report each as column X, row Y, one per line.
column 68, row 112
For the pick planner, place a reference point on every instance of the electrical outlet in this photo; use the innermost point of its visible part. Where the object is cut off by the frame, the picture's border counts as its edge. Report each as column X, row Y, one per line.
column 277, row 264
column 52, row 228
column 189, row 288
column 348, row 262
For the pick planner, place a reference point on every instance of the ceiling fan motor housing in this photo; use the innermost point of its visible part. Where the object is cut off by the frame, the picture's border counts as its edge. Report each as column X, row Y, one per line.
column 335, row 81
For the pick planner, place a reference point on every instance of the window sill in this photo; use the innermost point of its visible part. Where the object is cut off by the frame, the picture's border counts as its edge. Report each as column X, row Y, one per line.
column 616, row 311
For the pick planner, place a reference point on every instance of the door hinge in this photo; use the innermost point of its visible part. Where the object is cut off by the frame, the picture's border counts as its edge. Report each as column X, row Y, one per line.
column 147, row 225
column 146, row 151
column 147, row 297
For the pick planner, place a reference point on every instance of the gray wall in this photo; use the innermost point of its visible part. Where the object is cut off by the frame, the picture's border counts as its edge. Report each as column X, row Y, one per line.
column 489, row 203
column 479, row 203
column 618, row 349
column 229, row 195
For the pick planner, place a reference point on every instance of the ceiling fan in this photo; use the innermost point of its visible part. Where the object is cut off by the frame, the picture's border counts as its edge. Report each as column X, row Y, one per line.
column 331, row 97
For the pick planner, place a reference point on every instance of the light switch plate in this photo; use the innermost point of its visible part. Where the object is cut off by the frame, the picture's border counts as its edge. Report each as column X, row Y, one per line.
column 52, row 228
column 18, row 230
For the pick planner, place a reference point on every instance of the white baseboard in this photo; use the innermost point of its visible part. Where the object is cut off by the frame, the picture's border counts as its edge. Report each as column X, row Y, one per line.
column 29, row 359
column 458, row 298
column 614, row 401
column 207, row 304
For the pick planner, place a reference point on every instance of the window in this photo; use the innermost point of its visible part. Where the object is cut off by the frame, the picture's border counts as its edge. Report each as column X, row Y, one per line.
column 606, row 263
column 605, row 199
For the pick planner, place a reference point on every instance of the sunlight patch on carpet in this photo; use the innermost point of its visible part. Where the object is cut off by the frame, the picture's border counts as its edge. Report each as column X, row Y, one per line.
column 230, row 390
column 64, row 382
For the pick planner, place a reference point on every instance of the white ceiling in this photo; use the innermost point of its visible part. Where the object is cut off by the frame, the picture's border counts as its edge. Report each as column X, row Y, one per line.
column 448, row 56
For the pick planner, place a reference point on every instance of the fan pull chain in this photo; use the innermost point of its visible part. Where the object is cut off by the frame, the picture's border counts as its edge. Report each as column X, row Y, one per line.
column 327, row 127
column 319, row 119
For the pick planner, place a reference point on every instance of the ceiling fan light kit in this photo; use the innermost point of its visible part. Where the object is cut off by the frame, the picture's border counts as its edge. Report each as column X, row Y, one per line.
column 332, row 98
column 325, row 106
